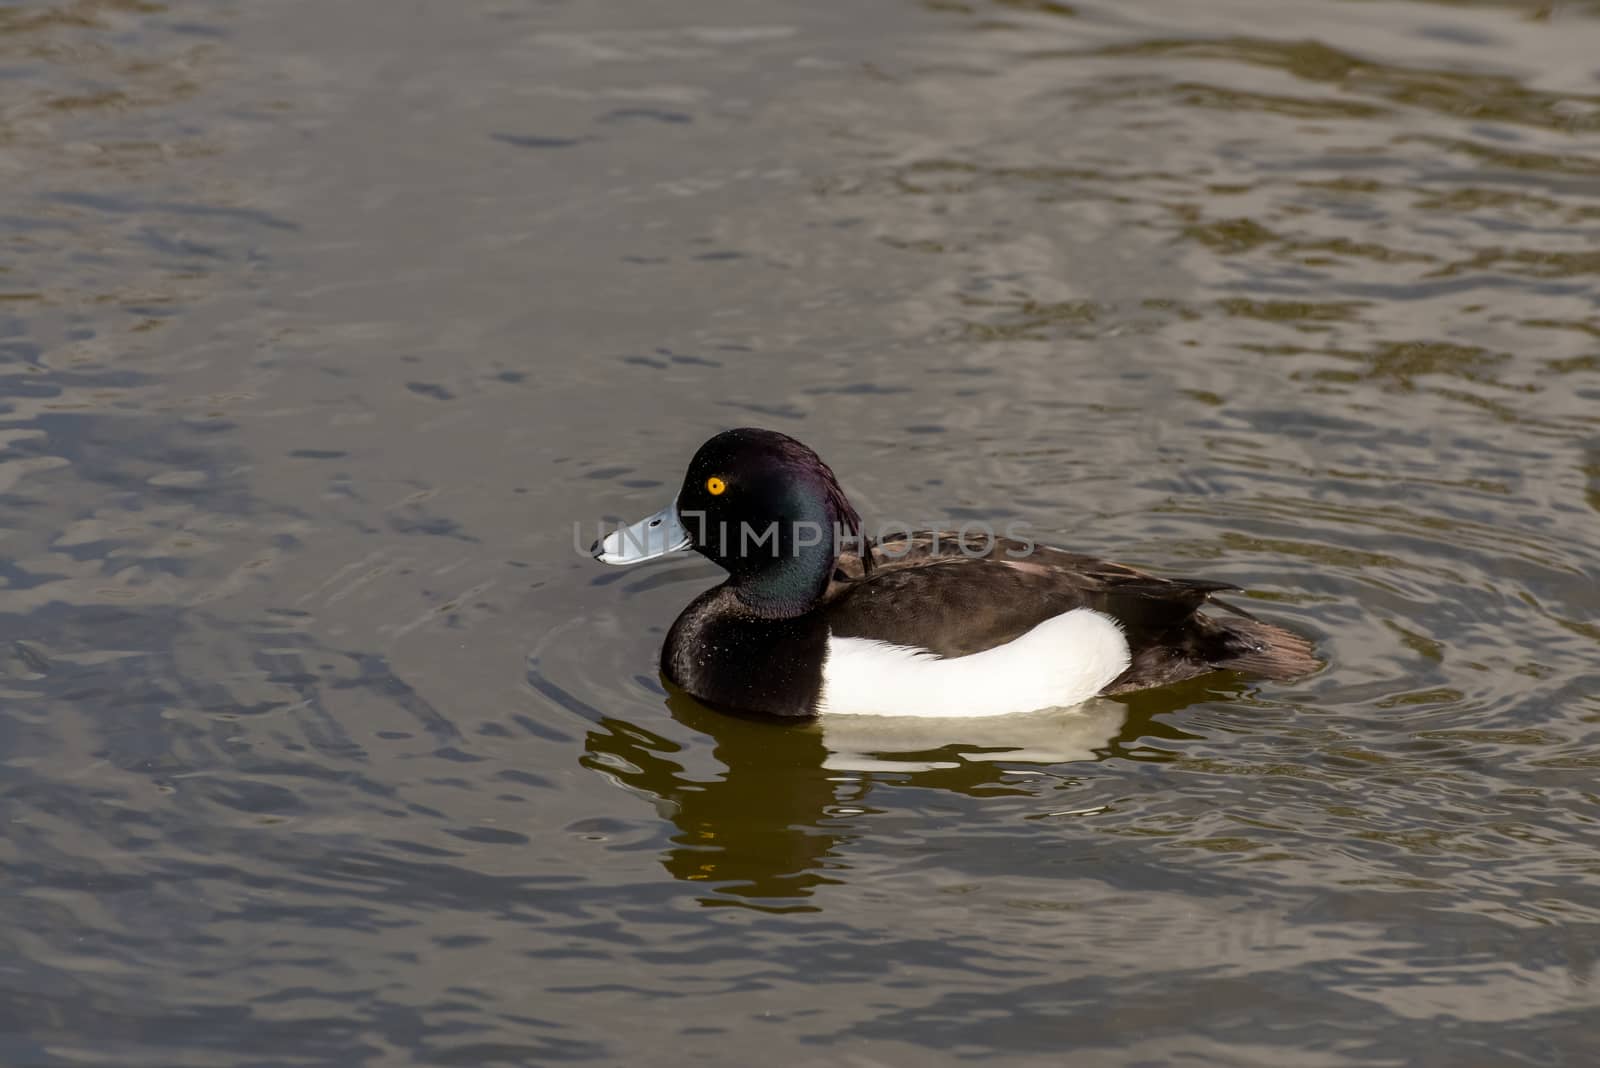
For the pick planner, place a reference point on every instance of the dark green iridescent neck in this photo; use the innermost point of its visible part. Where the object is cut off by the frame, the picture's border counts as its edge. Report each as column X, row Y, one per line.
column 788, row 582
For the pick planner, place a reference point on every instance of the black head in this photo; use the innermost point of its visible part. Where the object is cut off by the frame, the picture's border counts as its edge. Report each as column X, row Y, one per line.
column 767, row 509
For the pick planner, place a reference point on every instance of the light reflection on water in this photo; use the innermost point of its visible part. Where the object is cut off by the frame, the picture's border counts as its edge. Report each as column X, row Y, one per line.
column 320, row 326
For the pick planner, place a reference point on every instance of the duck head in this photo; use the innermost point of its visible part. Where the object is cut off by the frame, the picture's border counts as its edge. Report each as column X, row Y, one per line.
column 758, row 504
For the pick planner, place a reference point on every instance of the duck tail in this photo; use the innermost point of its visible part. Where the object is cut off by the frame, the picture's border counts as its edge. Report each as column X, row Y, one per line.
column 1265, row 649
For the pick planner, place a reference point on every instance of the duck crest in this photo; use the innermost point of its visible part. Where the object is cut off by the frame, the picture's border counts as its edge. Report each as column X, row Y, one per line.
column 849, row 520
column 849, row 528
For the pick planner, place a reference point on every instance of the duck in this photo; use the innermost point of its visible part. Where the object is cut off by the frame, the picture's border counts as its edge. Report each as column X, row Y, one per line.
column 815, row 619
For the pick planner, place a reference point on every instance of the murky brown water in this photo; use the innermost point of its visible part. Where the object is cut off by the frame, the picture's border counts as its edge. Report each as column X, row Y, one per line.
column 322, row 324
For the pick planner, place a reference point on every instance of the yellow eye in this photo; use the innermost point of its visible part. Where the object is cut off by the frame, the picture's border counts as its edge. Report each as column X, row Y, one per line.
column 715, row 486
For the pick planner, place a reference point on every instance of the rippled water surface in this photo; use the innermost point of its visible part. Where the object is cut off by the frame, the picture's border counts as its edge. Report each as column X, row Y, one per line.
column 321, row 325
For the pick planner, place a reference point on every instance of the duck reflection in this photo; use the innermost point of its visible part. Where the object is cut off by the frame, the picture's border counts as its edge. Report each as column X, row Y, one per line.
column 764, row 824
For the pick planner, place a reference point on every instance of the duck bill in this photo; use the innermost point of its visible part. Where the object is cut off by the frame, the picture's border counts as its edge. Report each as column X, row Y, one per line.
column 653, row 536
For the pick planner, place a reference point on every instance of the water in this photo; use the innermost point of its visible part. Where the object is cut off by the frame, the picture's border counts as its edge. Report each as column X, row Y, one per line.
column 322, row 324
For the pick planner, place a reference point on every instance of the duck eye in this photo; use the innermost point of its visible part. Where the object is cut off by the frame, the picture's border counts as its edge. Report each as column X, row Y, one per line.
column 715, row 486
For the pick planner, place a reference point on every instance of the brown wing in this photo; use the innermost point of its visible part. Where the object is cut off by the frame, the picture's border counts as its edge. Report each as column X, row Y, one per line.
column 935, row 590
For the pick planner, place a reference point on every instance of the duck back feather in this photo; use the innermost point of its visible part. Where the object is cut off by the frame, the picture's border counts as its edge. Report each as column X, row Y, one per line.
column 956, row 595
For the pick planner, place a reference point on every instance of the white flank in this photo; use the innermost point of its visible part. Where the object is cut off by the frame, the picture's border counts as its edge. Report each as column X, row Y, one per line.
column 1062, row 661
